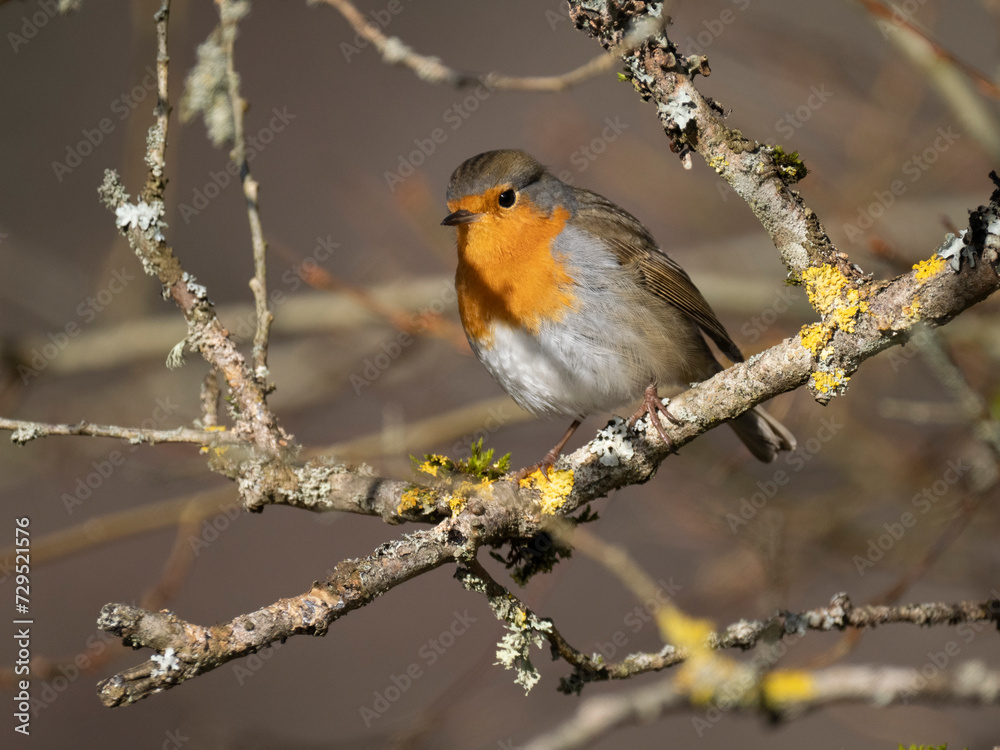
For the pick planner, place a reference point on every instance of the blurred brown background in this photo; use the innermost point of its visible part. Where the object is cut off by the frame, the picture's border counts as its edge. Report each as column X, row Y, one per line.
column 818, row 78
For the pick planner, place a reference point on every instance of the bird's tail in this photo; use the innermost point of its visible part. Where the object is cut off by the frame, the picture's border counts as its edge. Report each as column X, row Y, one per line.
column 764, row 435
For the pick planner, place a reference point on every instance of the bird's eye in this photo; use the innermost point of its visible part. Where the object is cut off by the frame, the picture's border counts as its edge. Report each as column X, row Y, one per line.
column 506, row 198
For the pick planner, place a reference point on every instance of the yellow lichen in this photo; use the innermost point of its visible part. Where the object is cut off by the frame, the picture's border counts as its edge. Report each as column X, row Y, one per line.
column 682, row 630
column 912, row 310
column 433, row 464
column 814, row 337
column 717, row 163
column 409, row 500
column 554, row 490
column 823, row 287
column 787, row 686
column 827, row 289
column 843, row 316
column 927, row 268
column 827, row 382
column 457, row 504
column 219, row 449
column 705, row 671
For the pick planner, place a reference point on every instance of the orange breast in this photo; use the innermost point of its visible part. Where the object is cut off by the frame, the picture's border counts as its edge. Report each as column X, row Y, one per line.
column 506, row 268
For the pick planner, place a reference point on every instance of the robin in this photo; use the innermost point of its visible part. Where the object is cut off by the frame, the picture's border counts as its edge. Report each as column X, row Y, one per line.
column 573, row 308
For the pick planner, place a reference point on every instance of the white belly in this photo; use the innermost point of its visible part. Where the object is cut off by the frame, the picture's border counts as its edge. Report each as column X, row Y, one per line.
column 555, row 374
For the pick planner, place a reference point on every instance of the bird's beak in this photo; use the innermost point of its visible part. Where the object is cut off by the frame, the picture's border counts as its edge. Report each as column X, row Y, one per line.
column 461, row 216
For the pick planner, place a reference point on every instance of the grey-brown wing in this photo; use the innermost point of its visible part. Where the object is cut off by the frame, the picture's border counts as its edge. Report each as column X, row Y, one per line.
column 633, row 245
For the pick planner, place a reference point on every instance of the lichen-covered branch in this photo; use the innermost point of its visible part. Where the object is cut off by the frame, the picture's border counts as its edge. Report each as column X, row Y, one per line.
column 969, row 683
column 186, row 650
column 23, row 432
column 758, row 173
column 860, row 317
column 142, row 223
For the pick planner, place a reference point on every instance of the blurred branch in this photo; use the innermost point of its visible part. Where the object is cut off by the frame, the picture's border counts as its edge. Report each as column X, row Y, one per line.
column 432, row 70
column 971, row 404
column 230, row 12
column 471, row 421
column 949, row 75
column 103, row 348
column 970, row 683
column 389, row 308
column 113, row 527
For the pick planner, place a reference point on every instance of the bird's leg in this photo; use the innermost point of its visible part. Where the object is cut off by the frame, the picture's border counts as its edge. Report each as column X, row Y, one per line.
column 653, row 406
column 550, row 457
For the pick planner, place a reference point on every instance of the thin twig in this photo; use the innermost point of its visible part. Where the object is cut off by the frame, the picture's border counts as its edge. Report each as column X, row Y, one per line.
column 143, row 225
column 24, row 432
column 157, row 139
column 949, row 76
column 432, row 70
column 258, row 284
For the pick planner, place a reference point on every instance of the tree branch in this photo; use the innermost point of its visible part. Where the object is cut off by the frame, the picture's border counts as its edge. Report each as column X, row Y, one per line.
column 24, row 432
column 860, row 318
column 230, row 12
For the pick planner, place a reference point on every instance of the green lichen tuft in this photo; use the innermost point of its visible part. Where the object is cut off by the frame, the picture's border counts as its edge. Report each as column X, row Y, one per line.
column 479, row 464
column 789, row 166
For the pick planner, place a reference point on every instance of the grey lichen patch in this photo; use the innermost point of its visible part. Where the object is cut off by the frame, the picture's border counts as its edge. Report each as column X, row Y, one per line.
column 175, row 359
column 112, row 191
column 25, row 434
column 611, row 445
column 166, row 663
column 313, row 489
column 955, row 250
column 154, row 145
column 206, row 91
column 524, row 629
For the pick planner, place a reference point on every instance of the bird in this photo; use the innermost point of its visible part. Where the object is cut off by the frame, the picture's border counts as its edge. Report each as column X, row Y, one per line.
column 573, row 307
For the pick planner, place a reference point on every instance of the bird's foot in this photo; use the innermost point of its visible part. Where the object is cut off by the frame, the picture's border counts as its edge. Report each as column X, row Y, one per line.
column 550, row 458
column 653, row 406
